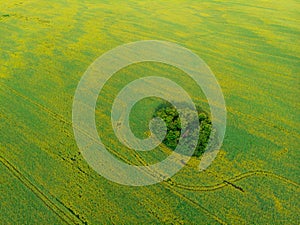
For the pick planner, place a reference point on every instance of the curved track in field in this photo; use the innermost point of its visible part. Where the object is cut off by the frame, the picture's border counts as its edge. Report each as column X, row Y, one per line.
column 234, row 179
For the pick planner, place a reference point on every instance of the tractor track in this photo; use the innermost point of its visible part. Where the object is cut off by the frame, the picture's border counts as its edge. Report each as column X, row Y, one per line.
column 49, row 200
column 59, row 117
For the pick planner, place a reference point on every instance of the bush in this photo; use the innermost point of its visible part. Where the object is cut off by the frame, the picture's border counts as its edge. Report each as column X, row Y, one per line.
column 170, row 116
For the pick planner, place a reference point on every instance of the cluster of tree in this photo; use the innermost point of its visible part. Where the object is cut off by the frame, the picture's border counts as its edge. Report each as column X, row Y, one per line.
column 174, row 123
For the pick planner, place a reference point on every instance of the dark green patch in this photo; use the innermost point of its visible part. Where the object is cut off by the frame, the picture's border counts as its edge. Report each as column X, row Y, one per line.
column 170, row 116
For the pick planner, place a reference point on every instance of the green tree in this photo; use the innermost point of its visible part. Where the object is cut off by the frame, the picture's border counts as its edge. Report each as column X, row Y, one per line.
column 170, row 116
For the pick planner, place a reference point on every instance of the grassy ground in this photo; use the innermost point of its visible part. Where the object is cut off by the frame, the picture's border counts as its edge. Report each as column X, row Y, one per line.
column 252, row 48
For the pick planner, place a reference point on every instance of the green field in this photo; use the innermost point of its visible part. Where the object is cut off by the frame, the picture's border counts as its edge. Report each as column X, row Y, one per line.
column 252, row 47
